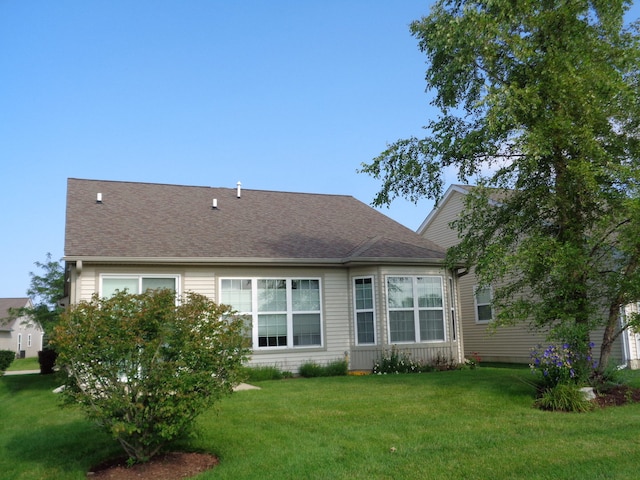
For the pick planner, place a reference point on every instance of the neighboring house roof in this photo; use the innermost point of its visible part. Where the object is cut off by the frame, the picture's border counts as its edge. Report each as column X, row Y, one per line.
column 6, row 304
column 159, row 222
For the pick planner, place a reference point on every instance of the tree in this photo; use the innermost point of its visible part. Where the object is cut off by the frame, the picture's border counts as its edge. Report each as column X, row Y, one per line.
column 144, row 367
column 539, row 103
column 46, row 290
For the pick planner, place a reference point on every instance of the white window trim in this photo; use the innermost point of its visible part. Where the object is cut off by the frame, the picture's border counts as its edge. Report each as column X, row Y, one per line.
column 454, row 318
column 19, row 342
column 139, row 277
column 416, row 309
column 476, row 305
column 289, row 312
column 365, row 310
column 29, row 340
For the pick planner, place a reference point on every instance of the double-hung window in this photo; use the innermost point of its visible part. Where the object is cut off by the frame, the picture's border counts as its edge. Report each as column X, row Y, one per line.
column 285, row 312
column 364, row 311
column 136, row 283
column 483, row 298
column 416, row 309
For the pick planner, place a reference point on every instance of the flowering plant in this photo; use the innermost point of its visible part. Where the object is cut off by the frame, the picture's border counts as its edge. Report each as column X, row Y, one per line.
column 473, row 360
column 561, row 364
column 394, row 361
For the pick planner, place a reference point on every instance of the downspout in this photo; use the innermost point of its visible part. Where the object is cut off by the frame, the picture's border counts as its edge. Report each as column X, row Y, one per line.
column 625, row 340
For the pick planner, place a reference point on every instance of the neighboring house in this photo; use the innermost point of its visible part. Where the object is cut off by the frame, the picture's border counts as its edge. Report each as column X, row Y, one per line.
column 508, row 343
column 323, row 277
column 19, row 334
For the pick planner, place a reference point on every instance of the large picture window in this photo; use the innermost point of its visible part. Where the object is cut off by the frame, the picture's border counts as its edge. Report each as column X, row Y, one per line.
column 416, row 309
column 285, row 312
column 136, row 283
column 364, row 311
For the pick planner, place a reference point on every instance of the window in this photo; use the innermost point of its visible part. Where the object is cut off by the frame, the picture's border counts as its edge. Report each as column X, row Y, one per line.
column 19, row 342
column 137, row 283
column 29, row 340
column 285, row 312
column 416, row 312
column 364, row 311
column 484, row 312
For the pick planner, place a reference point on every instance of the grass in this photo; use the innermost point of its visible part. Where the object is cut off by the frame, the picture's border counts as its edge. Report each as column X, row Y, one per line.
column 455, row 425
column 30, row 363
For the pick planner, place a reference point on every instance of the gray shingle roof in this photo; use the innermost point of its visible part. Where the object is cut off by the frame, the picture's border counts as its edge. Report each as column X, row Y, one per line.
column 5, row 305
column 146, row 220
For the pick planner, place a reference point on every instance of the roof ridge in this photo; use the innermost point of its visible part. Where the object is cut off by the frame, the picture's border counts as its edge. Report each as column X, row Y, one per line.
column 180, row 185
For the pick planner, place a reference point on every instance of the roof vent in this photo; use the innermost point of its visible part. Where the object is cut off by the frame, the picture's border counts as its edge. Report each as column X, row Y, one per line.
column 214, row 204
column 239, row 192
column 99, row 198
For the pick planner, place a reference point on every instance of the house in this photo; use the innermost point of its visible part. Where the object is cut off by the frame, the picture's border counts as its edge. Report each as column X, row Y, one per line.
column 19, row 334
column 322, row 277
column 508, row 343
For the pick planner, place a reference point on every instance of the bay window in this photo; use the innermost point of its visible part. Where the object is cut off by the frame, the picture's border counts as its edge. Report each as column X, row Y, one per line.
column 416, row 309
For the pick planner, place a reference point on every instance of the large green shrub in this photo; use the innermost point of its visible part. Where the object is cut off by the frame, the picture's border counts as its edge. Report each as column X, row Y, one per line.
column 6, row 357
column 144, row 367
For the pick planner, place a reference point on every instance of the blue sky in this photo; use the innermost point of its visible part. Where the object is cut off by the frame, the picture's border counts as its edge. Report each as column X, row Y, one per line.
column 280, row 95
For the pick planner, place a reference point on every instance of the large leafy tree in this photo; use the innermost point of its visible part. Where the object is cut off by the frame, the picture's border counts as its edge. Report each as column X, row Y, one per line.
column 539, row 106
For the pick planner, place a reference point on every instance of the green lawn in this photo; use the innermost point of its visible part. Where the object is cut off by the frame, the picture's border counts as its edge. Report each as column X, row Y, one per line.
column 30, row 363
column 470, row 424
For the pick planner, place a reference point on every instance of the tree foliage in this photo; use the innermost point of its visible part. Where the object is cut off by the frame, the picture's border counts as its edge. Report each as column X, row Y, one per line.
column 45, row 290
column 144, row 367
column 539, row 106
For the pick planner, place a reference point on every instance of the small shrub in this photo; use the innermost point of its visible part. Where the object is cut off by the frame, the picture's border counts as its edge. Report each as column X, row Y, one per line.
column 332, row 369
column 472, row 361
column 561, row 364
column 264, row 372
column 336, row 368
column 6, row 357
column 395, row 361
column 47, row 360
column 564, row 397
column 310, row 370
column 441, row 362
column 610, row 377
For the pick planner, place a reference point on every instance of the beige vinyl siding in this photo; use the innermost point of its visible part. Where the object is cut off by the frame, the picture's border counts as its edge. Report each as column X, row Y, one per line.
column 438, row 229
column 199, row 281
column 88, row 281
column 504, row 344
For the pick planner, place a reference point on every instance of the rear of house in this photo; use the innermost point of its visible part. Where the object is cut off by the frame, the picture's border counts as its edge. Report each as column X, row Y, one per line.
column 509, row 343
column 322, row 277
column 19, row 334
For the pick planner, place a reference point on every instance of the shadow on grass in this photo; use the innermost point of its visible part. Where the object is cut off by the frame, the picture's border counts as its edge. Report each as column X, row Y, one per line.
column 32, row 382
column 74, row 445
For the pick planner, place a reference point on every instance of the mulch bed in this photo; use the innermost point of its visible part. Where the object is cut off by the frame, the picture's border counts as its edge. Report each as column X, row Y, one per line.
column 617, row 395
column 169, row 466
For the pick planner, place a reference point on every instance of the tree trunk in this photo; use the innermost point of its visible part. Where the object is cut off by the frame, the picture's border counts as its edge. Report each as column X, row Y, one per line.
column 611, row 332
